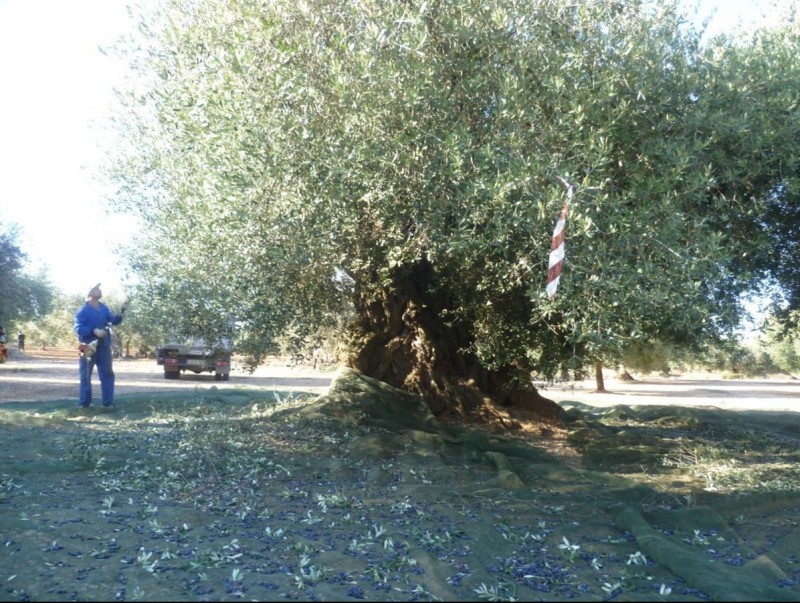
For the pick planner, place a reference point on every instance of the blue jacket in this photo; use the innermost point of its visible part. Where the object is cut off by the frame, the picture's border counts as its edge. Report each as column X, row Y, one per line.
column 87, row 319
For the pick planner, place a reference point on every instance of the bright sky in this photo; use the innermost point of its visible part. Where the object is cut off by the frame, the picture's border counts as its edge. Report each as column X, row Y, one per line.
column 54, row 83
column 55, row 90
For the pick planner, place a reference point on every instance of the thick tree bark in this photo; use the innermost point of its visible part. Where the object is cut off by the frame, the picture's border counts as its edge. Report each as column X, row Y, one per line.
column 401, row 339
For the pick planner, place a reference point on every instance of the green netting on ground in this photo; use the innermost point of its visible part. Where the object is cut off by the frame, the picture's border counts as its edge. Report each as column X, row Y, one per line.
column 716, row 543
column 363, row 494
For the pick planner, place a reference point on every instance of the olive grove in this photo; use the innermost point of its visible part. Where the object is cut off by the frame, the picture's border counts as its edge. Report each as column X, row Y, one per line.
column 395, row 170
column 22, row 296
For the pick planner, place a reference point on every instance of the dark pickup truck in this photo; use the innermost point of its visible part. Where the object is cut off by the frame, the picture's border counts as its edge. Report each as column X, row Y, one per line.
column 195, row 356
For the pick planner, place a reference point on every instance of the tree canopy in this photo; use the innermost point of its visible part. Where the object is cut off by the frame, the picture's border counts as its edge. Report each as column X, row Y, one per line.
column 400, row 164
column 22, row 296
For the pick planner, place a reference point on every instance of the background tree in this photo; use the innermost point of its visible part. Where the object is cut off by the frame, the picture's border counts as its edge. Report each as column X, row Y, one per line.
column 782, row 345
column 649, row 357
column 55, row 328
column 22, row 296
column 402, row 161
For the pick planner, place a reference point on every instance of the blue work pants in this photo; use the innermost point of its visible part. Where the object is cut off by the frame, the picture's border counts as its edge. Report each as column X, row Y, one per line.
column 102, row 359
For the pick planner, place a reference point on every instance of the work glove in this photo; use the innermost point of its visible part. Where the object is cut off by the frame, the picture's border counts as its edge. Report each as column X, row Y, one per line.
column 99, row 333
column 88, row 350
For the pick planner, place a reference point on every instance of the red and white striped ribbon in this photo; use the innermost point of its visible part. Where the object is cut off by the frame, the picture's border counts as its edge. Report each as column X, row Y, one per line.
column 556, row 262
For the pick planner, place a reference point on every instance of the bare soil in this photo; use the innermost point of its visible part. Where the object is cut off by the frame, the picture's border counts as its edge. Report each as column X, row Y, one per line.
column 692, row 389
column 52, row 374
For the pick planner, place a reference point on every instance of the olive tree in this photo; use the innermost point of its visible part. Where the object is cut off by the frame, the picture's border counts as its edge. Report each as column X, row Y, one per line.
column 22, row 295
column 403, row 164
column 55, row 329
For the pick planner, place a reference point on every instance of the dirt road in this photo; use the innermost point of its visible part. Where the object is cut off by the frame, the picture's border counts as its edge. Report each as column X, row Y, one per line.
column 690, row 389
column 53, row 375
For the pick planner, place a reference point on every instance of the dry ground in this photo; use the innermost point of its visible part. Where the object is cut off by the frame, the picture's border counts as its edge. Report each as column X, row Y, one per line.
column 52, row 374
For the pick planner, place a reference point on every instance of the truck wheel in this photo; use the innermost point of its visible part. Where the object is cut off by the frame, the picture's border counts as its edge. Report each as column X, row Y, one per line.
column 217, row 376
column 226, row 376
column 171, row 374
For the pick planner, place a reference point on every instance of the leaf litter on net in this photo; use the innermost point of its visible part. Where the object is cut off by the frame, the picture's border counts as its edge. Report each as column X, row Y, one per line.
column 227, row 498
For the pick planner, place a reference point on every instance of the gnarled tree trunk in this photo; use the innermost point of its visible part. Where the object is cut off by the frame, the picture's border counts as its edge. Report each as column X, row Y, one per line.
column 401, row 339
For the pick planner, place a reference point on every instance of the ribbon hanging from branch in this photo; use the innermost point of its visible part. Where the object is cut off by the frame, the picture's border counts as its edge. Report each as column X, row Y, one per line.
column 556, row 262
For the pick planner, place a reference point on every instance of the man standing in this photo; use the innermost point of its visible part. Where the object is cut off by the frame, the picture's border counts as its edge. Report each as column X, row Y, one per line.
column 21, row 342
column 92, row 324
